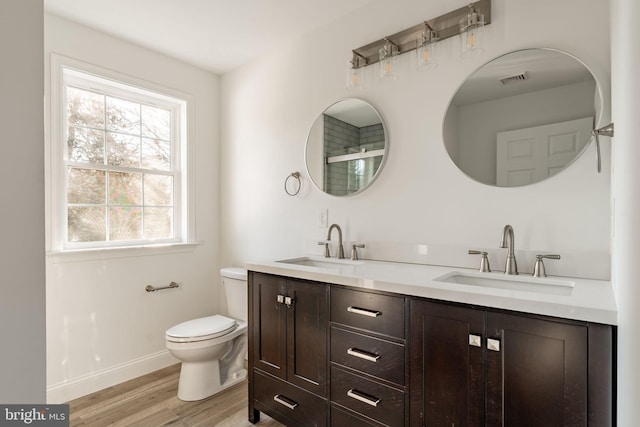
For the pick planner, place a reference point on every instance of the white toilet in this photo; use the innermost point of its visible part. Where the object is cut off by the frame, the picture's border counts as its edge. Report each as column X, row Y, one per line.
column 212, row 349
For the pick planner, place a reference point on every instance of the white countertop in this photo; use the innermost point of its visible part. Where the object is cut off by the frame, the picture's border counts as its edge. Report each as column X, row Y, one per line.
column 588, row 300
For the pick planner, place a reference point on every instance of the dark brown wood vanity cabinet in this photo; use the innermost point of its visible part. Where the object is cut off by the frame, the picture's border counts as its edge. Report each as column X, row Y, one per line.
column 475, row 367
column 329, row 355
column 369, row 379
column 288, row 341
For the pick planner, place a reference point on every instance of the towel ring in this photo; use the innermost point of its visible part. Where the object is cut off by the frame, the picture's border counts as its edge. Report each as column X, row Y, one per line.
column 295, row 175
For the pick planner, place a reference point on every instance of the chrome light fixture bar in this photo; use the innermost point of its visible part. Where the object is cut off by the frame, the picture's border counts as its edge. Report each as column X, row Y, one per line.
column 444, row 26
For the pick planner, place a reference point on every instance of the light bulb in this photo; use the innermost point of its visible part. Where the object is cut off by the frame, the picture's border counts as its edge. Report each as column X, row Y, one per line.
column 426, row 51
column 387, row 57
column 471, row 33
column 355, row 78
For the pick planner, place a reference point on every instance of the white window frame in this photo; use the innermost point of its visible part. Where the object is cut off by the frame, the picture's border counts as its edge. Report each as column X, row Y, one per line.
column 63, row 70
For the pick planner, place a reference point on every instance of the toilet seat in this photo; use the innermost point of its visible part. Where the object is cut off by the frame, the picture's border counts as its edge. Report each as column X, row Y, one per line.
column 202, row 329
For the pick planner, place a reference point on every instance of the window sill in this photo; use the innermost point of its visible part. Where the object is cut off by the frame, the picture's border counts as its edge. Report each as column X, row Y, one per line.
column 77, row 255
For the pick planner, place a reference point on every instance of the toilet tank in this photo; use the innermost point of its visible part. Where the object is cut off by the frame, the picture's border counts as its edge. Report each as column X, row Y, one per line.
column 234, row 284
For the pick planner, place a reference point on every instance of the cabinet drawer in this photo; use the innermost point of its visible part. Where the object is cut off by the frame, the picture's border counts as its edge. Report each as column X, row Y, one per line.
column 367, row 397
column 299, row 406
column 374, row 356
column 378, row 313
column 341, row 418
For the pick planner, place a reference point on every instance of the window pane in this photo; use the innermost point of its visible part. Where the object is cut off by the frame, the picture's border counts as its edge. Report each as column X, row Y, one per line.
column 125, row 188
column 85, row 108
column 85, row 145
column 85, row 186
column 123, row 150
column 156, row 123
column 86, row 224
column 119, row 154
column 123, row 116
column 158, row 223
column 158, row 190
column 125, row 223
column 156, row 154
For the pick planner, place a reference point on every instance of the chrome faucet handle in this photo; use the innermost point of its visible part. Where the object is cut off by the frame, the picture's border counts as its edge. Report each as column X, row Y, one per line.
column 326, row 248
column 538, row 268
column 484, row 260
column 354, row 251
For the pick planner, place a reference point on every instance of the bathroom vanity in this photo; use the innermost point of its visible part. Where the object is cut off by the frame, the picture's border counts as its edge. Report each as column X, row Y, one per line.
column 346, row 343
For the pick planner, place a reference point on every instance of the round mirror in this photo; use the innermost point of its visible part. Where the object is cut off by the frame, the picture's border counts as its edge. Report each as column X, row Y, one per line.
column 346, row 147
column 522, row 118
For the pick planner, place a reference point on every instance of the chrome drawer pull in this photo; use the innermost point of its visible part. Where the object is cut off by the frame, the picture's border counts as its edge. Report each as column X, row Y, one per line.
column 285, row 401
column 363, row 354
column 364, row 312
column 363, row 397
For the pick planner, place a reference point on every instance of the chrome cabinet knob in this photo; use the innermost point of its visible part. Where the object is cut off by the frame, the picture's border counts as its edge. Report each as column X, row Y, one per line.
column 475, row 340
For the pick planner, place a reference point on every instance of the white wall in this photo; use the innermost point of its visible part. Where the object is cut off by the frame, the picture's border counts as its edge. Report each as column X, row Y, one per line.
column 420, row 196
column 625, row 66
column 102, row 327
column 22, row 287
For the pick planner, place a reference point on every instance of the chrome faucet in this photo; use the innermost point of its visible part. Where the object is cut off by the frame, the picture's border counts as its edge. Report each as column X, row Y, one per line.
column 340, row 248
column 507, row 241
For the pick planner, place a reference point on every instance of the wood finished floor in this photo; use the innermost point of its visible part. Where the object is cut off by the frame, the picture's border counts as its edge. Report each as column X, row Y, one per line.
column 152, row 401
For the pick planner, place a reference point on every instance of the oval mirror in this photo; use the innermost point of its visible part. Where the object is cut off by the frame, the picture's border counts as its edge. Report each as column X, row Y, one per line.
column 346, row 147
column 522, row 117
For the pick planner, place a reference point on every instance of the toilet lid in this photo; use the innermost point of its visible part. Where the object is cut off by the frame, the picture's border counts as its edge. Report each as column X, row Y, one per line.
column 204, row 328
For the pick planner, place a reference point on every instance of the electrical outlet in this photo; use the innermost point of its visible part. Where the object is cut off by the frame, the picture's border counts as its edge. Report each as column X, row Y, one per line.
column 322, row 217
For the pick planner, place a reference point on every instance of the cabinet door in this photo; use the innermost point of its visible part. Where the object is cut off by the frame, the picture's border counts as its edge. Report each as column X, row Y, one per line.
column 269, row 324
column 307, row 335
column 447, row 368
column 536, row 372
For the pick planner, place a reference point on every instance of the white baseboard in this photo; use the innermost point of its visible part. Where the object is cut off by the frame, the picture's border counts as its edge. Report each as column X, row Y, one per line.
column 86, row 384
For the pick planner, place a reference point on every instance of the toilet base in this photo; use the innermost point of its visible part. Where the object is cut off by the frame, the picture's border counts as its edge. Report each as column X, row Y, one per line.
column 202, row 379
column 193, row 385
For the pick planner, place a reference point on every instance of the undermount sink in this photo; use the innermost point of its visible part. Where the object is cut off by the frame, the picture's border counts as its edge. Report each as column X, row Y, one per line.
column 321, row 262
column 511, row 282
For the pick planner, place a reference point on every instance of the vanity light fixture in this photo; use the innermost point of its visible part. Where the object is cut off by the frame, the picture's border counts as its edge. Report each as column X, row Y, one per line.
column 355, row 71
column 426, row 46
column 468, row 21
column 471, row 33
column 388, row 60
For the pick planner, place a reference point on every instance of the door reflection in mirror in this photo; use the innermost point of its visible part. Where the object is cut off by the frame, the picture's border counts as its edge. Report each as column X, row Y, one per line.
column 522, row 117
